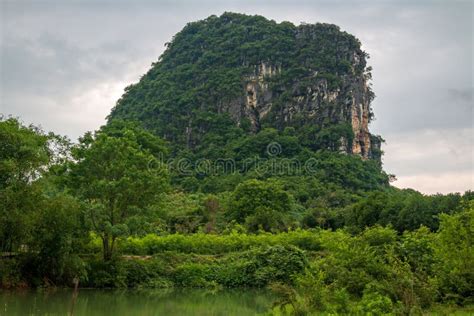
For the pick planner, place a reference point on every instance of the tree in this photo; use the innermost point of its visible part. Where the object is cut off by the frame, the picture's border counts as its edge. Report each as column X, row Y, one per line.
column 118, row 175
column 455, row 255
column 24, row 153
column 57, row 235
column 260, row 204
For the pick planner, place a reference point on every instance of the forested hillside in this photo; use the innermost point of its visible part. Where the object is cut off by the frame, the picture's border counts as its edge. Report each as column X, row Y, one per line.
column 224, row 77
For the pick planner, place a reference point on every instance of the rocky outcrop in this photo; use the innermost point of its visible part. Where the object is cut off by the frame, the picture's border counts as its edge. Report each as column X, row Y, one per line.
column 315, row 101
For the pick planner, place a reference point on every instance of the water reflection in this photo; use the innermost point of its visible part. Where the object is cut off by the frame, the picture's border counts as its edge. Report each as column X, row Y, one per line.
column 138, row 302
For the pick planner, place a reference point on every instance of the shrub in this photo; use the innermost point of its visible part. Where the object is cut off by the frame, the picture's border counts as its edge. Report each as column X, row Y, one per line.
column 108, row 274
column 374, row 303
column 261, row 266
column 455, row 256
column 218, row 244
column 193, row 275
column 10, row 275
column 278, row 263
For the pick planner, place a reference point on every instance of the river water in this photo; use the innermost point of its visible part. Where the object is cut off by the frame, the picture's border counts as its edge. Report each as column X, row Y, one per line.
column 239, row 302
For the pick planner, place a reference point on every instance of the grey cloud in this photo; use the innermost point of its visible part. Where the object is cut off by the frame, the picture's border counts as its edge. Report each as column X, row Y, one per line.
column 432, row 151
column 51, row 64
column 432, row 161
column 46, row 65
column 462, row 95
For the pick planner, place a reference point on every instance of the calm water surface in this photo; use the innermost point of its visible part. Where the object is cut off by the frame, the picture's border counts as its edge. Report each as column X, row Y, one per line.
column 141, row 302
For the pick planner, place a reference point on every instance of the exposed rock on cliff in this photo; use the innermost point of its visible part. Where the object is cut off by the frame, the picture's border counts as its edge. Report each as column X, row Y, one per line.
column 316, row 102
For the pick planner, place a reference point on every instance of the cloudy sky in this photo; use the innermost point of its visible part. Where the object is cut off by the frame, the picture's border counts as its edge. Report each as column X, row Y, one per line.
column 65, row 63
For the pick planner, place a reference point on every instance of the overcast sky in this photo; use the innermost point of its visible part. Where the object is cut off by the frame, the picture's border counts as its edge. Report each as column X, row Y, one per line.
column 65, row 63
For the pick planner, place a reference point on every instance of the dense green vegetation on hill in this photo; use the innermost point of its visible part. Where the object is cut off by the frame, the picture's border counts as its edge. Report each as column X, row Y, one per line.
column 183, row 97
column 136, row 204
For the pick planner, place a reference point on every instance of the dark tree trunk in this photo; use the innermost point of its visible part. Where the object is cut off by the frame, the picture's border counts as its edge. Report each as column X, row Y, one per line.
column 106, row 248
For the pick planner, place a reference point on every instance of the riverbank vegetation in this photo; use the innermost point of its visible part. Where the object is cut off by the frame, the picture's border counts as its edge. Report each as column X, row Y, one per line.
column 108, row 212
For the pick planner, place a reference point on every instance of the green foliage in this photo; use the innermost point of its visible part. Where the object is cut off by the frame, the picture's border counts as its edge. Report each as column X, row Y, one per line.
column 217, row 244
column 192, row 275
column 374, row 303
column 417, row 248
column 402, row 209
column 329, row 138
column 364, row 274
column 11, row 275
column 454, row 250
column 183, row 97
column 38, row 225
column 182, row 212
column 105, row 274
column 328, row 233
column 260, row 204
column 261, row 266
column 57, row 237
column 118, row 176
column 24, row 155
column 277, row 263
column 256, row 267
column 188, row 94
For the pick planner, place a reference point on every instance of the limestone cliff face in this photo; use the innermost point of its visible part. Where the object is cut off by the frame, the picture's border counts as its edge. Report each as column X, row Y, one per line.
column 315, row 101
column 256, row 100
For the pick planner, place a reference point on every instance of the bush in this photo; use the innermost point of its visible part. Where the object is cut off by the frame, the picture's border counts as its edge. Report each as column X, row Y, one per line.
column 236, row 271
column 193, row 275
column 261, row 266
column 109, row 274
column 260, row 205
column 10, row 273
column 218, row 244
column 374, row 303
column 138, row 273
column 455, row 256
column 278, row 263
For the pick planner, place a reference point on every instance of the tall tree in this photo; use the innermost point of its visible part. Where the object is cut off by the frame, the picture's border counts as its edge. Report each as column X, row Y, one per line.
column 118, row 174
column 24, row 153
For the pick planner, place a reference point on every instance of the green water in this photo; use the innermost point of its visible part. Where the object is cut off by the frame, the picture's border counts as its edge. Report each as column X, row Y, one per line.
column 141, row 302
